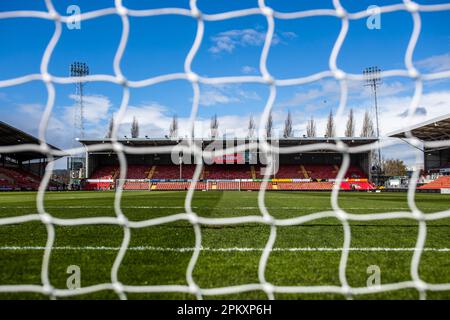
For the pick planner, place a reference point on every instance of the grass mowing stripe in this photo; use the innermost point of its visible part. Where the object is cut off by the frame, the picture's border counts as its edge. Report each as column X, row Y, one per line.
column 235, row 249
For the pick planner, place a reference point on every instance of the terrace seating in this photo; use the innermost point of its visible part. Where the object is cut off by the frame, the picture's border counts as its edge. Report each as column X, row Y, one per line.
column 247, row 185
column 228, row 185
column 303, row 186
column 173, row 171
column 236, row 171
column 317, row 171
column 136, row 185
column 137, row 171
column 178, row 186
column 105, row 173
column 19, row 179
column 289, row 171
column 439, row 183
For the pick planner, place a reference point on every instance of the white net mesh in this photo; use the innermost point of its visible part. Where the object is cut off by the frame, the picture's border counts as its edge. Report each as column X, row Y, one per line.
column 189, row 215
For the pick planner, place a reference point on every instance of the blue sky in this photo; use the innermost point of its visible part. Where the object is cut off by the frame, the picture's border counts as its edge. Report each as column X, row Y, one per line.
column 159, row 45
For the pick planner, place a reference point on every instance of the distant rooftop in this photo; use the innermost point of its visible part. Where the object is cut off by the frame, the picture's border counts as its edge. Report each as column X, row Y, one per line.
column 10, row 136
column 432, row 130
column 352, row 141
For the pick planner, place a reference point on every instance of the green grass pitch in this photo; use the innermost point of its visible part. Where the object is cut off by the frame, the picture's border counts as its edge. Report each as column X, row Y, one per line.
column 21, row 258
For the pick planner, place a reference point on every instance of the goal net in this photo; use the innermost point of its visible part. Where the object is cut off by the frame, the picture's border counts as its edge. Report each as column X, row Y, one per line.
column 265, row 218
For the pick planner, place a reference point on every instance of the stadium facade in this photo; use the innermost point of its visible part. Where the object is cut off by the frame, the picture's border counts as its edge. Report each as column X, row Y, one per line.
column 315, row 169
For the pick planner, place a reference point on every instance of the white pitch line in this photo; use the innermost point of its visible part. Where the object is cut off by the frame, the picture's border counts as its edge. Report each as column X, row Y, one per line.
column 203, row 207
column 234, row 249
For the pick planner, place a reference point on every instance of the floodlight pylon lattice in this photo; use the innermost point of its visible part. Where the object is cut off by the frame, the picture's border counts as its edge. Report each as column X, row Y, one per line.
column 373, row 80
column 79, row 70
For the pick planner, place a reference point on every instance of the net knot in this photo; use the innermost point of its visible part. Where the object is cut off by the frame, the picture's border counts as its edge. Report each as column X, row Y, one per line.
column 46, row 77
column 412, row 6
column 54, row 15
column 196, row 13
column 193, row 218
column 194, row 289
column 121, row 80
column 267, row 11
column 193, row 77
column 268, row 288
column 46, row 218
column 118, row 287
column 340, row 12
column 339, row 74
column 413, row 73
column 121, row 10
column 48, row 290
column 268, row 79
column 123, row 221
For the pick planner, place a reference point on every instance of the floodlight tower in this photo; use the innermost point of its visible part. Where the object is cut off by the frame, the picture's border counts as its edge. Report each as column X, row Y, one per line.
column 79, row 69
column 373, row 80
column 77, row 163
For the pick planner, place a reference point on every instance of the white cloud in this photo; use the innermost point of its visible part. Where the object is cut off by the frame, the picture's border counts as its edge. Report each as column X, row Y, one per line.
column 96, row 107
column 225, row 94
column 436, row 63
column 229, row 40
column 212, row 97
column 315, row 97
column 248, row 70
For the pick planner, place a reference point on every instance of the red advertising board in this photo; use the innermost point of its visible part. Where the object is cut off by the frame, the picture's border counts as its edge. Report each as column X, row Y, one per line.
column 229, row 158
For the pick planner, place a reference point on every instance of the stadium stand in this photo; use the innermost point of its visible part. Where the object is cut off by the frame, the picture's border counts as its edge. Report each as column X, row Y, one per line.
column 308, row 171
column 238, row 171
column 21, row 179
column 169, row 171
column 439, row 183
column 177, row 186
column 105, row 173
column 436, row 160
column 138, row 171
column 22, row 170
column 136, row 185
column 355, row 172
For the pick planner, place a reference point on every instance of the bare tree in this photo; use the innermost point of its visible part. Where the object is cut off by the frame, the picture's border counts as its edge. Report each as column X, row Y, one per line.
column 173, row 130
column 350, row 129
column 367, row 128
column 135, row 128
column 214, row 126
column 110, row 128
column 288, row 131
column 251, row 127
column 330, row 126
column 311, row 128
column 269, row 126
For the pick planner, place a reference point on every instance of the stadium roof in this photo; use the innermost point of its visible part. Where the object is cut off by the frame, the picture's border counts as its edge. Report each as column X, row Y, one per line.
column 356, row 141
column 432, row 130
column 10, row 136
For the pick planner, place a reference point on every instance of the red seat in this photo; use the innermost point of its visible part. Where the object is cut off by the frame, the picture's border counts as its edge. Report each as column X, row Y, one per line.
column 439, row 183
